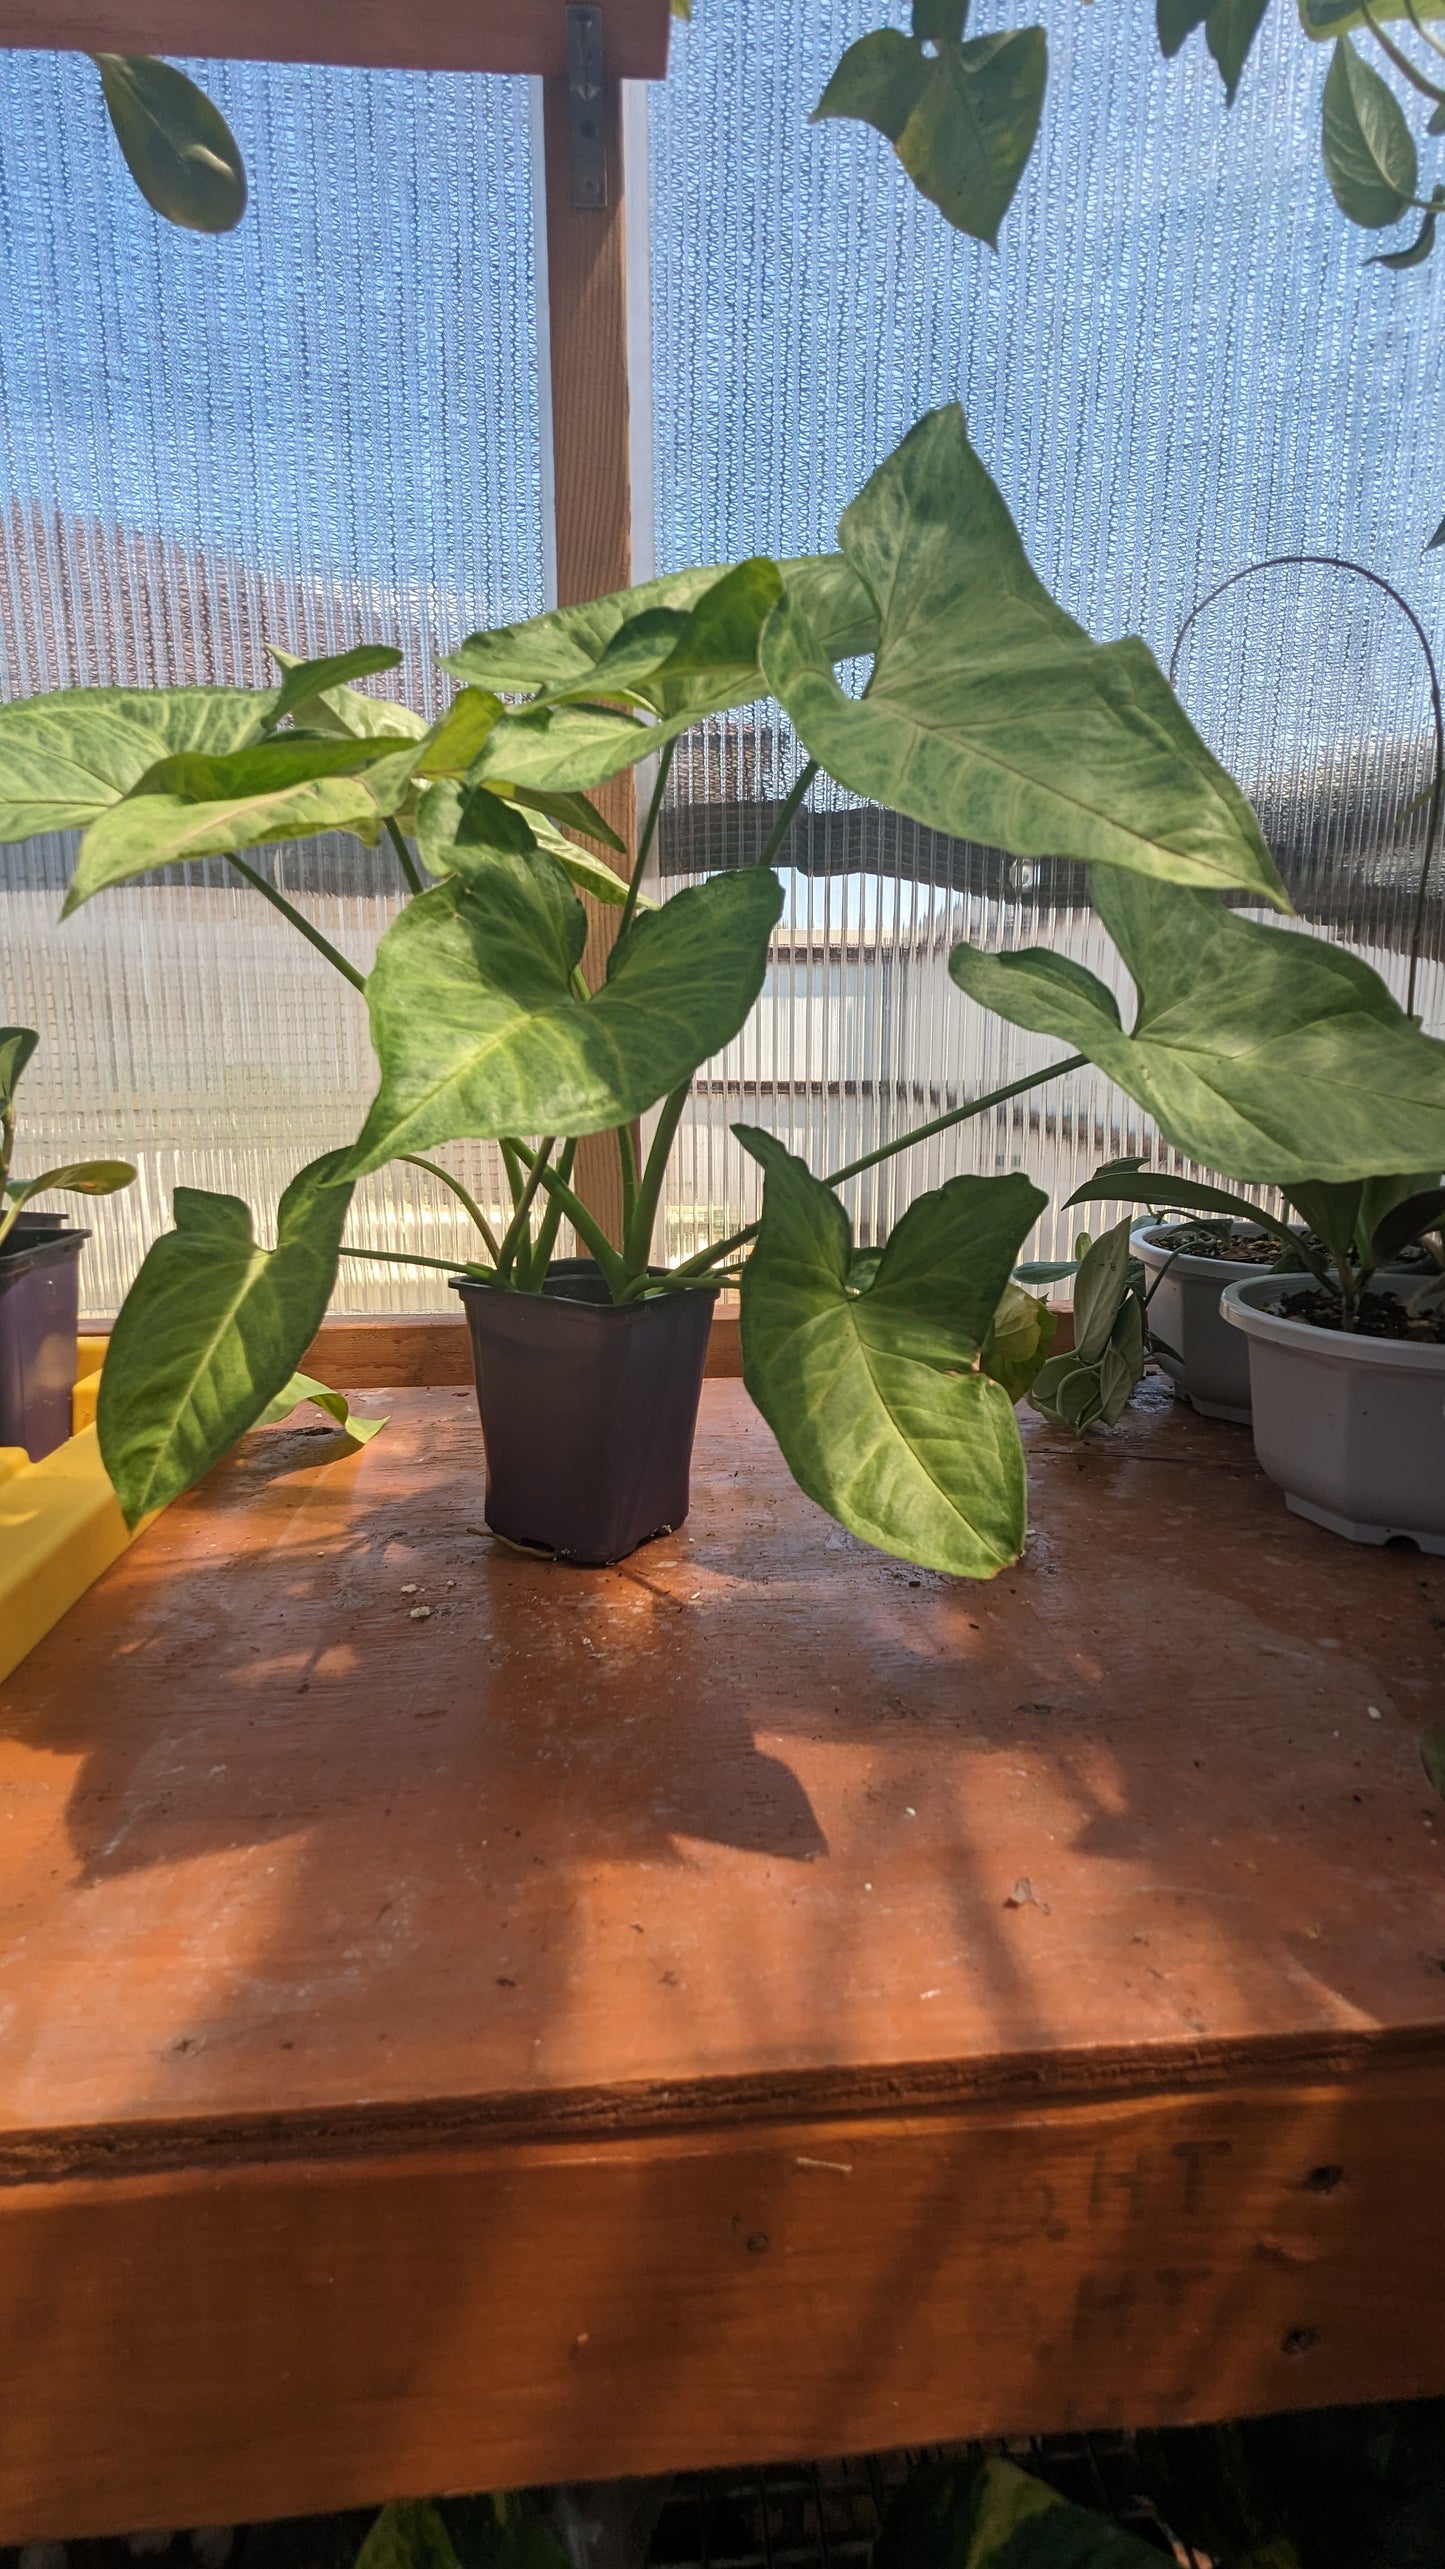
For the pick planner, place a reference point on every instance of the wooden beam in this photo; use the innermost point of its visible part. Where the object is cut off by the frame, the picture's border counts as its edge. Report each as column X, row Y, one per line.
column 591, row 466
column 418, row 35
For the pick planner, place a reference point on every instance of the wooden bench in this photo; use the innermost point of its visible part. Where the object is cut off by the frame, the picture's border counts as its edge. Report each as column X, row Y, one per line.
column 756, row 2001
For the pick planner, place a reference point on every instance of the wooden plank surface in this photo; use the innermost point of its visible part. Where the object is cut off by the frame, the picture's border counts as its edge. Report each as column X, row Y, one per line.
column 411, row 2024
column 424, row 35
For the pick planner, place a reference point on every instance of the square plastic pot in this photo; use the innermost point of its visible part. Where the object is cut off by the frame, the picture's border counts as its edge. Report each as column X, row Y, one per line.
column 588, row 1409
column 1211, row 1363
column 1352, row 1429
column 39, row 1320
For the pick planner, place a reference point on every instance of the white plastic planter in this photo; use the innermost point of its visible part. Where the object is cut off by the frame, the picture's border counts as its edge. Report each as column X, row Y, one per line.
column 1211, row 1366
column 1352, row 1429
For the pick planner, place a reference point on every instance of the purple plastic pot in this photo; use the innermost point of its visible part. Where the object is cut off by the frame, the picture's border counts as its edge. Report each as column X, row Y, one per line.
column 39, row 1317
column 588, row 1408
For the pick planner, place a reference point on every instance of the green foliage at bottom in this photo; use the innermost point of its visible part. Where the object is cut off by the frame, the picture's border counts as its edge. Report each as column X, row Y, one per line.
column 992, row 2515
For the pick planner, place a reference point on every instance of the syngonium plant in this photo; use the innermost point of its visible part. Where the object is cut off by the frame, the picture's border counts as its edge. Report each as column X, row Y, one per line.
column 888, row 1377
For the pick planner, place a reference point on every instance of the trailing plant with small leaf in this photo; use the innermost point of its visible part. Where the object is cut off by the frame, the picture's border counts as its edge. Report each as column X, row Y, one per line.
column 888, row 1372
column 73, row 1177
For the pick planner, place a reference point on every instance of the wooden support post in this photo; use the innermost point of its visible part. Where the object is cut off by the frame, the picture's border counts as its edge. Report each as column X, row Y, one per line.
column 592, row 471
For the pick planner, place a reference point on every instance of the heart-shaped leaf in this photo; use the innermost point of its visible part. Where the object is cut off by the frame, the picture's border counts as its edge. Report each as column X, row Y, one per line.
column 875, row 1395
column 1369, row 151
column 65, row 758
column 178, row 146
column 990, row 714
column 194, row 805
column 211, row 1330
column 962, row 118
column 1273, row 1057
column 478, row 1029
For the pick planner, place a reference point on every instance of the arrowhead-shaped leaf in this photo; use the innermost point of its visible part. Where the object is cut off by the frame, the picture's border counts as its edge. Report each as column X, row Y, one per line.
column 566, row 744
column 1369, row 150
column 962, row 119
column 211, row 1330
column 876, row 1396
column 1020, row 1335
column 327, row 703
column 990, row 714
column 477, row 1028
column 676, row 666
column 1273, row 1057
column 193, row 804
column 455, row 822
column 178, row 146
column 65, row 758
column 992, row 2515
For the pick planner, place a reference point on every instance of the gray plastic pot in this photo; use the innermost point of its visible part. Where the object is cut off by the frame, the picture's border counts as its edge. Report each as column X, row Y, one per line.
column 1211, row 1367
column 1352, row 1429
column 39, row 1304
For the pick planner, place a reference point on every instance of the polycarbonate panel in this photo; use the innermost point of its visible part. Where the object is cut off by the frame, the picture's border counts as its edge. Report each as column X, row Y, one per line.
column 319, row 430
column 1176, row 363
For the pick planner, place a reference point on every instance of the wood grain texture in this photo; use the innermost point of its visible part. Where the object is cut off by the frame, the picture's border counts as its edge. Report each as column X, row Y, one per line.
column 592, row 478
column 261, row 2341
column 426, row 35
column 411, row 2022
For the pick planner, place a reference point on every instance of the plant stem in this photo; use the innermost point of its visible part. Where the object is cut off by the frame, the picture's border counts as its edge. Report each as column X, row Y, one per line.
column 513, row 1235
column 551, row 1221
column 404, row 858
column 512, row 1156
column 644, row 844
column 1422, row 30
column 312, row 935
column 586, row 1228
column 720, row 1249
column 627, row 1163
column 1401, row 61
column 461, row 1194
column 782, row 826
column 637, row 1239
column 412, row 1258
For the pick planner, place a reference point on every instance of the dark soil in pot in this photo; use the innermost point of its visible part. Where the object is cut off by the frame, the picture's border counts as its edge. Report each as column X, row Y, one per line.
column 39, row 1317
column 588, row 1409
column 1199, row 1240
column 1381, row 1315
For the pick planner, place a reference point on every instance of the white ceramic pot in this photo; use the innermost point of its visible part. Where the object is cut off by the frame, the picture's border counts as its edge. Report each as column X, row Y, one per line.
column 1211, row 1363
column 1352, row 1429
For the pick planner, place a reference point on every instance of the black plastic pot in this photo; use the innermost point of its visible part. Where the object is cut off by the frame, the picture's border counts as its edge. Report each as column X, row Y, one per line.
column 39, row 1312
column 588, row 1409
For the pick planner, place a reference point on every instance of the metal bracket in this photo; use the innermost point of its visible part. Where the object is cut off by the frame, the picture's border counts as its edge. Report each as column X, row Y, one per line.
column 584, row 104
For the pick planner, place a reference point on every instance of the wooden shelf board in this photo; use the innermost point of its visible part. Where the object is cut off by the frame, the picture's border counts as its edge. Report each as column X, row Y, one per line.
column 527, row 36
column 414, row 2026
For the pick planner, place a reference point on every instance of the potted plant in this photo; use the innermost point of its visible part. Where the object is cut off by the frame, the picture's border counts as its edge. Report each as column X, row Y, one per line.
column 39, row 1274
column 1344, row 1338
column 888, row 1376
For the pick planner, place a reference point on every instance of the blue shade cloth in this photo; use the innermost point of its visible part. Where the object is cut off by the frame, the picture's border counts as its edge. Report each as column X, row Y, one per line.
column 326, row 428
column 320, row 429
column 1176, row 362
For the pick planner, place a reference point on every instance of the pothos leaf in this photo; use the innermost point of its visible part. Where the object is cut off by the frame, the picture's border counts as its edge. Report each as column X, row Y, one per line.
column 178, row 146
column 1369, row 151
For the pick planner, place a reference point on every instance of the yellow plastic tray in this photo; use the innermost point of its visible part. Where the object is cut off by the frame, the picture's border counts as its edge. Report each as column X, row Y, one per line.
column 60, row 1524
